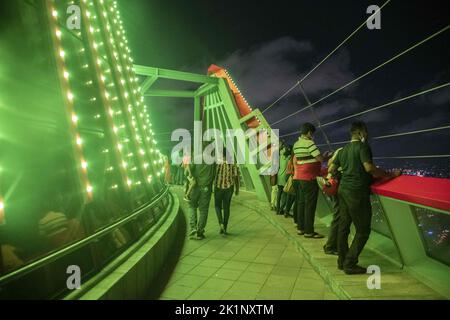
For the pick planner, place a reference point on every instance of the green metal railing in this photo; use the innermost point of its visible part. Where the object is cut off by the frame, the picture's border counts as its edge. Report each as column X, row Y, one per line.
column 33, row 266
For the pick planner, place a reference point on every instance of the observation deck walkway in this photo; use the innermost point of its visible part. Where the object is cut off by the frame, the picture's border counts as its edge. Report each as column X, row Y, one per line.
column 263, row 258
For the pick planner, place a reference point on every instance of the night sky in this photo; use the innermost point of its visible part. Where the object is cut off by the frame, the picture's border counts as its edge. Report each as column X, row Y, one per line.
column 268, row 45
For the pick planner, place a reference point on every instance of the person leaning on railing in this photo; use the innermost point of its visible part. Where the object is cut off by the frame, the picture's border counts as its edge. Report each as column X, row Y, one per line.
column 285, row 153
column 330, row 247
column 354, row 196
column 308, row 160
column 289, row 193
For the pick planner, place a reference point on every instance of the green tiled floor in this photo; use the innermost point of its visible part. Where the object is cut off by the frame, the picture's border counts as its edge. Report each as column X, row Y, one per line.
column 395, row 284
column 254, row 262
column 263, row 258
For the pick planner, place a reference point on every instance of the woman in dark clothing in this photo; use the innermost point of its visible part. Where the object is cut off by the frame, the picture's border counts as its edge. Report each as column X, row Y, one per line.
column 227, row 181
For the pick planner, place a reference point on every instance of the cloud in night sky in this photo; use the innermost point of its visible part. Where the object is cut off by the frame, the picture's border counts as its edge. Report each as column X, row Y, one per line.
column 265, row 72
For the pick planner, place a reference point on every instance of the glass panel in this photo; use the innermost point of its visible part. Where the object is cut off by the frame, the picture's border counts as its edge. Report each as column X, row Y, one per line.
column 39, row 183
column 434, row 228
column 379, row 223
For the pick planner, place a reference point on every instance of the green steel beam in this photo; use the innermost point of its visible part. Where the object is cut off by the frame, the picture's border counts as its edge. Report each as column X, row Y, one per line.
column 251, row 115
column 204, row 89
column 173, row 75
column 404, row 230
column 231, row 111
column 256, row 113
column 407, row 236
column 213, row 115
column 197, row 109
column 170, row 93
column 147, row 84
column 221, row 118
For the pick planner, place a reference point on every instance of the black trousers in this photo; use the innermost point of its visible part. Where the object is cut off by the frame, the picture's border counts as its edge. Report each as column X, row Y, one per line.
column 306, row 198
column 334, row 228
column 280, row 198
column 284, row 200
column 290, row 199
column 294, row 210
column 222, row 204
column 354, row 207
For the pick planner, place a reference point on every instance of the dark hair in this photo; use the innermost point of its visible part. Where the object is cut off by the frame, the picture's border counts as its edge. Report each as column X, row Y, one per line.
column 358, row 126
column 307, row 127
column 288, row 150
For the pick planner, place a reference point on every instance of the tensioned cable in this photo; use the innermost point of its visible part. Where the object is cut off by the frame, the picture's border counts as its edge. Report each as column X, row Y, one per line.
column 393, row 135
column 415, row 157
column 284, row 94
column 380, row 106
column 388, row 104
column 365, row 74
column 326, row 57
column 319, row 124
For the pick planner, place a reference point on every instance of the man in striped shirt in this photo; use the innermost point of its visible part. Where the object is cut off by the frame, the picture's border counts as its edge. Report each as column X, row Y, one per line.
column 307, row 162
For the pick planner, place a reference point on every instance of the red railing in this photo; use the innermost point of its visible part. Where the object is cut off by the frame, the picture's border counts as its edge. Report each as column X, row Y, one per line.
column 430, row 192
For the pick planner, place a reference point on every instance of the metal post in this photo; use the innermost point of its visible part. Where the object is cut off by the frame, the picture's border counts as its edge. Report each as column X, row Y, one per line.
column 197, row 109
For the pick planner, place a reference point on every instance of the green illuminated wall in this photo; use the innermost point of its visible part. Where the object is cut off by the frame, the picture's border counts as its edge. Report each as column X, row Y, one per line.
column 77, row 147
column 119, row 109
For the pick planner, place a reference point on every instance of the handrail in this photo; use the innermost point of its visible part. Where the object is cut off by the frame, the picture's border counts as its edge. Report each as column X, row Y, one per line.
column 419, row 191
column 74, row 246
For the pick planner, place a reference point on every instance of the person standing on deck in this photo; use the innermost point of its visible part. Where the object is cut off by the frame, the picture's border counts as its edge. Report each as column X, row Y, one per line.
column 330, row 247
column 290, row 198
column 282, row 178
column 200, row 197
column 167, row 173
column 307, row 161
column 227, row 182
column 274, row 177
column 354, row 196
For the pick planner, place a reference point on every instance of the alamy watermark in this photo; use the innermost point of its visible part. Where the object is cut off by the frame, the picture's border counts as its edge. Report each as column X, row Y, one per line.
column 73, row 282
column 374, row 280
column 74, row 20
column 375, row 17
column 243, row 148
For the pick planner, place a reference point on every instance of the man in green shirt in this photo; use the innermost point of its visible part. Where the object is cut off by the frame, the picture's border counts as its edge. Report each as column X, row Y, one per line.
column 354, row 196
column 200, row 198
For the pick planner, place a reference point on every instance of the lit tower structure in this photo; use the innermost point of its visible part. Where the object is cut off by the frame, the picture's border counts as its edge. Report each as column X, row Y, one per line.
column 245, row 110
column 81, row 176
column 95, row 65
